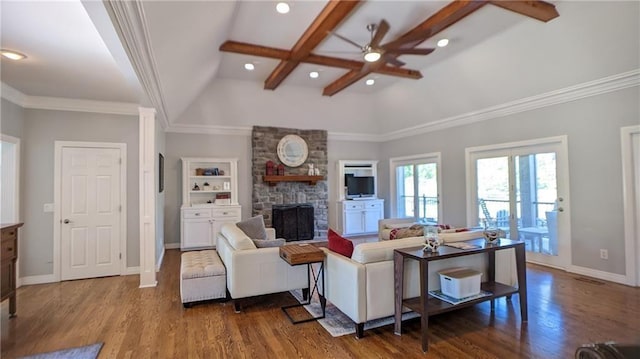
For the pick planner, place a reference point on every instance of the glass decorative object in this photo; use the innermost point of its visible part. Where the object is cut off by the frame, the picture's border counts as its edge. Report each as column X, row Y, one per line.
column 431, row 239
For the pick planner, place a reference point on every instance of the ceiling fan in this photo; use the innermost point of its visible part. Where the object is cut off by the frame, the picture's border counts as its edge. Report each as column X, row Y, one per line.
column 374, row 51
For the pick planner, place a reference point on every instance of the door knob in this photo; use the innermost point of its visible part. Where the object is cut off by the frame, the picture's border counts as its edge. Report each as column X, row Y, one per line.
column 66, row 221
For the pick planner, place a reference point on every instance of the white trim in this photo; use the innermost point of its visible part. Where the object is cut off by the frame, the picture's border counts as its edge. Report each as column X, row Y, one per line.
column 67, row 104
column 129, row 21
column 173, row 245
column 629, row 195
column 132, row 270
column 57, row 189
column 594, row 273
column 16, row 200
column 567, row 94
column 147, row 197
column 38, row 279
column 433, row 157
column 159, row 263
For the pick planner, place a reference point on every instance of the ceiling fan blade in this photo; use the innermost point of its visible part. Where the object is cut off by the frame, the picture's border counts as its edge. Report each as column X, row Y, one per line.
column 381, row 30
column 347, row 40
column 389, row 58
column 411, row 51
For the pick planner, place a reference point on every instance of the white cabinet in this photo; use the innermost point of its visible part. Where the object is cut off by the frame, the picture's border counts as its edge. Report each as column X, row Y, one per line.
column 215, row 201
column 360, row 217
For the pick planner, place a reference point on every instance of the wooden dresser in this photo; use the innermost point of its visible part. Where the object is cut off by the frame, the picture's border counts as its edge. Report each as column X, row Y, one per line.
column 8, row 259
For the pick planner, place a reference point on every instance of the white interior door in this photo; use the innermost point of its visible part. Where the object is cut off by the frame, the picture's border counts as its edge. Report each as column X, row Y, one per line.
column 90, row 209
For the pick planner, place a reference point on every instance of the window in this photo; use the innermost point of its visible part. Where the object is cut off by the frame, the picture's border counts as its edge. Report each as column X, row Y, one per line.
column 415, row 183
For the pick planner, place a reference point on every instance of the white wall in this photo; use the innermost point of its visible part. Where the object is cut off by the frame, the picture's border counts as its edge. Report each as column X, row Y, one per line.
column 593, row 128
column 41, row 129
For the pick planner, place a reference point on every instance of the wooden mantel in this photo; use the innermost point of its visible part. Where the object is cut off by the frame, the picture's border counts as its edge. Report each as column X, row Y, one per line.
column 273, row 180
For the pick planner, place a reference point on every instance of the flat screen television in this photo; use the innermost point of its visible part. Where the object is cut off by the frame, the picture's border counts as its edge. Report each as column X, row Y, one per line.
column 360, row 186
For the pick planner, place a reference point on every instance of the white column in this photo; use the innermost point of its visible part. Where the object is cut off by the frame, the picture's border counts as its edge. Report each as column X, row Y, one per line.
column 147, row 198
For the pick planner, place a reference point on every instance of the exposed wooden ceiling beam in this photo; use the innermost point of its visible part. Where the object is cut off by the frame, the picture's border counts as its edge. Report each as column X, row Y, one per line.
column 330, row 17
column 444, row 18
column 275, row 53
column 539, row 10
column 350, row 78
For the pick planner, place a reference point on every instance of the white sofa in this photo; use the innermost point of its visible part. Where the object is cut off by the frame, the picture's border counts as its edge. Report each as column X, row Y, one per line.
column 255, row 271
column 362, row 286
column 386, row 225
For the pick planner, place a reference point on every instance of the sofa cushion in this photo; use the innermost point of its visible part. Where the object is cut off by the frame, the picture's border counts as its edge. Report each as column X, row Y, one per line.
column 236, row 237
column 262, row 243
column 253, row 227
column 382, row 251
column 339, row 244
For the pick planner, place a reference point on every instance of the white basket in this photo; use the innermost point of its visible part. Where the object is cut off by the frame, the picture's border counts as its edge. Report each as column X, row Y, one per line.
column 459, row 282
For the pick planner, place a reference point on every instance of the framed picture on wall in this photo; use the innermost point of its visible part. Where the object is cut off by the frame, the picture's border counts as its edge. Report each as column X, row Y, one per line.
column 160, row 173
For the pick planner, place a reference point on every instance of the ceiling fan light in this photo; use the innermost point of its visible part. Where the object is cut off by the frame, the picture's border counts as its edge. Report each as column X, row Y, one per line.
column 282, row 7
column 443, row 42
column 314, row 74
column 370, row 82
column 12, row 55
column 249, row 66
column 372, row 56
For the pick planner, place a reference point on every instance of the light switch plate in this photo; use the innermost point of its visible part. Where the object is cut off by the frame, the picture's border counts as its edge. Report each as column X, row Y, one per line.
column 48, row 207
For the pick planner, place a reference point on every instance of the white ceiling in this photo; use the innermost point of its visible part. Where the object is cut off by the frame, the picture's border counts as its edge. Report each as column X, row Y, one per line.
column 73, row 54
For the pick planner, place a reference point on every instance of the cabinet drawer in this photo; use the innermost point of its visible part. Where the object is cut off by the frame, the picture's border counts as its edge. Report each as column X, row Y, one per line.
column 353, row 206
column 196, row 213
column 226, row 212
column 8, row 248
column 375, row 205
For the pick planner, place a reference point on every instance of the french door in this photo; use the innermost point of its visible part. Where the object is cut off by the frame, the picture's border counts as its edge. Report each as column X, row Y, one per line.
column 522, row 188
column 415, row 183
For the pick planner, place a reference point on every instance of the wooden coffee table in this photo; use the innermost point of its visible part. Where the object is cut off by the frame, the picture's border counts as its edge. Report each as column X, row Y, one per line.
column 300, row 254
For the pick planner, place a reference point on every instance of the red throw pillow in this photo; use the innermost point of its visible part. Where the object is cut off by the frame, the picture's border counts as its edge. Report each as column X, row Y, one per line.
column 340, row 245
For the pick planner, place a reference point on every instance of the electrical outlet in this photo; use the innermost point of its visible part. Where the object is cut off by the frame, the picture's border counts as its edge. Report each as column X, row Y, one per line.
column 604, row 254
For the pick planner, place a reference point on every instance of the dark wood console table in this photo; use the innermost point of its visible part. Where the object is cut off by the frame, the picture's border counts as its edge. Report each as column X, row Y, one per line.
column 427, row 305
column 8, row 264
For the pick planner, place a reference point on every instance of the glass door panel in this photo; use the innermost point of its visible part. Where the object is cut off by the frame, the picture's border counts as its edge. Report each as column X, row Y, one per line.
column 427, row 192
column 493, row 192
column 404, row 189
column 536, row 193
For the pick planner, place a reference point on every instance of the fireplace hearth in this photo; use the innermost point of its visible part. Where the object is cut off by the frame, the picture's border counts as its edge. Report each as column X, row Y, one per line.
column 293, row 222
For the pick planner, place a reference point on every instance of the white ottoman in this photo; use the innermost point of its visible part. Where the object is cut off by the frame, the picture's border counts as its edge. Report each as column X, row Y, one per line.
column 202, row 277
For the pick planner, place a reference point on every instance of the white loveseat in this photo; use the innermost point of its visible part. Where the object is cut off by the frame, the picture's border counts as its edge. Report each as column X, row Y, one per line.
column 255, row 271
column 362, row 286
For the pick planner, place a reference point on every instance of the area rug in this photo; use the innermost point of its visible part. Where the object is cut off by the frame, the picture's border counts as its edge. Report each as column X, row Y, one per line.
column 337, row 323
column 86, row 352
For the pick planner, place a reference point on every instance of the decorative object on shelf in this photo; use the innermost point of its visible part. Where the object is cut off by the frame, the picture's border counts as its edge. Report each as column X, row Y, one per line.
column 292, row 150
column 316, row 171
column 206, row 186
column 223, row 199
column 431, row 239
column 280, row 170
column 196, row 187
column 220, row 173
column 216, row 187
column 199, row 171
column 226, row 186
column 269, row 168
column 311, row 171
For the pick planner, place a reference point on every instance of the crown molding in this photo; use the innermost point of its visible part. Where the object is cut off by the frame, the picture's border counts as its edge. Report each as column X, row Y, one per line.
column 209, row 129
column 67, row 104
column 129, row 21
column 567, row 94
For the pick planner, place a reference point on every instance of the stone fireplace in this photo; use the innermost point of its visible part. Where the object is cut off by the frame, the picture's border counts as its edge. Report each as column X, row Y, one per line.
column 264, row 143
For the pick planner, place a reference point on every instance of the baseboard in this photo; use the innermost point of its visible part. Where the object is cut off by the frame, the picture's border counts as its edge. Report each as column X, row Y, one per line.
column 37, row 279
column 175, row 245
column 594, row 273
column 150, row 285
column 132, row 270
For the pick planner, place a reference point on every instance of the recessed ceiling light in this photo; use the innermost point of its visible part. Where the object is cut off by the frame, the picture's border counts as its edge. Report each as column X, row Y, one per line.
column 249, row 66
column 370, row 82
column 443, row 42
column 282, row 7
column 314, row 74
column 13, row 55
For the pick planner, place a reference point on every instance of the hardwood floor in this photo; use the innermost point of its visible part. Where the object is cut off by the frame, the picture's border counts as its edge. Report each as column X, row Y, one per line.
column 565, row 312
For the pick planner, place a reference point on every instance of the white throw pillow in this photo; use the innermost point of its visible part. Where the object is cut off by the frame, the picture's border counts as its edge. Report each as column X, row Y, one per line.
column 398, row 225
